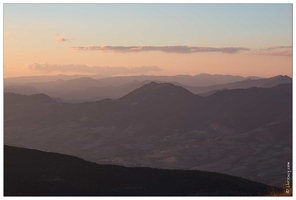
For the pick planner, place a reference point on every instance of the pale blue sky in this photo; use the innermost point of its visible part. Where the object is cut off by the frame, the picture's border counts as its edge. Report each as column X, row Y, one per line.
column 251, row 25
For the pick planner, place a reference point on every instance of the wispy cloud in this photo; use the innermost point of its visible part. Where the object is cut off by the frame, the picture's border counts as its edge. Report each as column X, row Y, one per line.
column 271, row 51
column 61, row 38
column 165, row 49
column 288, row 53
column 276, row 51
column 279, row 47
column 107, row 70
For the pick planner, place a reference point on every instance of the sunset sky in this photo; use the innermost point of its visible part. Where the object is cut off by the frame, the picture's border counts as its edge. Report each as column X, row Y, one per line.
column 154, row 39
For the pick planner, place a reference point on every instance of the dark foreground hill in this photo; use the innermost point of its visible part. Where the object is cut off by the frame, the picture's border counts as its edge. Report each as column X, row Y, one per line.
column 32, row 172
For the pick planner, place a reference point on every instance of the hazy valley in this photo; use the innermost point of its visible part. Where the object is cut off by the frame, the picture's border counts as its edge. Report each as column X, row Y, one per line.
column 242, row 130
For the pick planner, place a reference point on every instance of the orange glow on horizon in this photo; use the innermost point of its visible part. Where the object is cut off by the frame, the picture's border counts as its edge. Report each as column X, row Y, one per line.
column 171, row 63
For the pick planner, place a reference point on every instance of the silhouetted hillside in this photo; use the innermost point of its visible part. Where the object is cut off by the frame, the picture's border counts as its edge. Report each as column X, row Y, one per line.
column 31, row 109
column 158, row 91
column 31, row 172
column 21, row 100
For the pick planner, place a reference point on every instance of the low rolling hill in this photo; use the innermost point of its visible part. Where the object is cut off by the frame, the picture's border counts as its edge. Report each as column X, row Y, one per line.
column 35, row 173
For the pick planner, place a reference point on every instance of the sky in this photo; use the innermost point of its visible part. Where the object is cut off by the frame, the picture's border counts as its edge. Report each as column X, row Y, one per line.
column 150, row 39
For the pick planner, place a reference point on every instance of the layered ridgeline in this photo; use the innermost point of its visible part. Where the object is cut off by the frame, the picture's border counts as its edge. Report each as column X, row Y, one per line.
column 241, row 132
column 31, row 172
column 197, row 80
column 247, row 83
column 85, row 89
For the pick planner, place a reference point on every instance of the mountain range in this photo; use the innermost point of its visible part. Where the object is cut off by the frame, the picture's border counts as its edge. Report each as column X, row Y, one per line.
column 49, row 78
column 240, row 132
column 84, row 89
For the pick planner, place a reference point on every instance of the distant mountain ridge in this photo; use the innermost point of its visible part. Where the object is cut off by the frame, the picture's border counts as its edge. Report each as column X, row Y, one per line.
column 41, row 79
column 86, row 89
column 197, row 80
column 248, row 83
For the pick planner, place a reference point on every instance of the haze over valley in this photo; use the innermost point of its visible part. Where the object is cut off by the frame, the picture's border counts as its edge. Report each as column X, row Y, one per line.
column 163, row 125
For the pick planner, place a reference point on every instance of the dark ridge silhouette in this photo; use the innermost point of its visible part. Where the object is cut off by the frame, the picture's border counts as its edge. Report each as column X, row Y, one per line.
column 32, row 99
column 158, row 90
column 34, row 173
